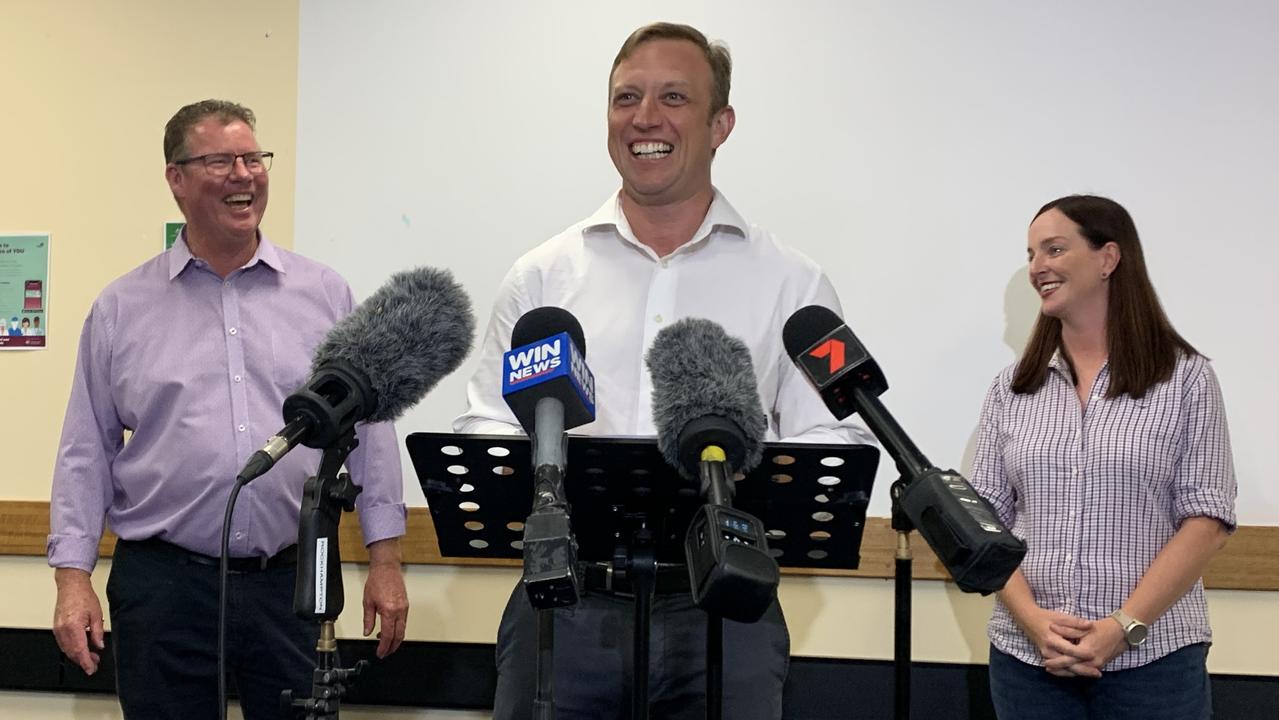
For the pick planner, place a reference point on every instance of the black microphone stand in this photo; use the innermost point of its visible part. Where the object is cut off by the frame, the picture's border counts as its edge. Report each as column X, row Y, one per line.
column 730, row 571
column 912, row 464
column 550, row 549
column 636, row 562
column 318, row 593
column 720, row 493
column 633, row 524
column 902, row 577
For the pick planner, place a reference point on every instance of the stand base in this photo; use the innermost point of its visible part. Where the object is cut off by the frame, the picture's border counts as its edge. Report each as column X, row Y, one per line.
column 328, row 684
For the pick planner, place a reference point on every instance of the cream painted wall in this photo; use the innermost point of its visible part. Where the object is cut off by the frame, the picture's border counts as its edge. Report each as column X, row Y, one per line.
column 87, row 87
column 85, row 90
column 829, row 617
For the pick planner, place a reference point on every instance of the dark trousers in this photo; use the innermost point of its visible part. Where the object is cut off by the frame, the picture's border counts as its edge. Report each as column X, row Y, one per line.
column 594, row 667
column 1174, row 687
column 164, row 626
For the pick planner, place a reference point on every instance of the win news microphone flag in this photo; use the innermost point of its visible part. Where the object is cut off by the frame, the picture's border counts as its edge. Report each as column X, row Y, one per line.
column 548, row 358
column 549, row 388
column 957, row 523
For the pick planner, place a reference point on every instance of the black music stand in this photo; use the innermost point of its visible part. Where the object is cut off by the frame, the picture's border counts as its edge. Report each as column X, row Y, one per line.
column 630, row 508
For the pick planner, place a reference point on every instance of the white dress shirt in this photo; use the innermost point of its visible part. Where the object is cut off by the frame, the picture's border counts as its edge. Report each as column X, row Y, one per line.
column 730, row 272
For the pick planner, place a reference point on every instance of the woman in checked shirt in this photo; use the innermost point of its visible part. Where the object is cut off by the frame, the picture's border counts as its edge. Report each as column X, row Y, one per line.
column 1105, row 448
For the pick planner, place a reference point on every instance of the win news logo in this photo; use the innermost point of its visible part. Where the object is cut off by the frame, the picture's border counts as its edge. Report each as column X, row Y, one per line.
column 533, row 361
column 547, row 361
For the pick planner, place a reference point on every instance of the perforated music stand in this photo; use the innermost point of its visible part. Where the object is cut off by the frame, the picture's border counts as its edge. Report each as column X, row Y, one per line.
column 811, row 498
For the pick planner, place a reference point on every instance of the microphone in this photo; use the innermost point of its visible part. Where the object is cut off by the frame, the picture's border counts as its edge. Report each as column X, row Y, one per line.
column 957, row 523
column 375, row 363
column 550, row 390
column 709, row 424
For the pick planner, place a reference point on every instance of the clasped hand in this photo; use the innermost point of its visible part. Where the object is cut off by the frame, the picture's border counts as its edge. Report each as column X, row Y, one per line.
column 1075, row 647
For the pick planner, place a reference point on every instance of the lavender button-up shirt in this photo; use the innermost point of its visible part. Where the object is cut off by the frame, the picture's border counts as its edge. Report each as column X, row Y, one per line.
column 1097, row 493
column 193, row 369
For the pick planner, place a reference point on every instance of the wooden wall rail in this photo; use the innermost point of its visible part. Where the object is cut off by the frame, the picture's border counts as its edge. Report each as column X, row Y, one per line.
column 1250, row 560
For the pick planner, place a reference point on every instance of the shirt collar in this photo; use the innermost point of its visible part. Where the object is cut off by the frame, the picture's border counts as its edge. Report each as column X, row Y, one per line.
column 267, row 253
column 1058, row 362
column 721, row 217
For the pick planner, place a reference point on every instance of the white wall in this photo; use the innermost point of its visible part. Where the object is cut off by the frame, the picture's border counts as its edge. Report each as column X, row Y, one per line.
column 905, row 146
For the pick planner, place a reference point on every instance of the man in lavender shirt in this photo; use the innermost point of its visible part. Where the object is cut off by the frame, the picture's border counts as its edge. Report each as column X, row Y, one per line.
column 183, row 366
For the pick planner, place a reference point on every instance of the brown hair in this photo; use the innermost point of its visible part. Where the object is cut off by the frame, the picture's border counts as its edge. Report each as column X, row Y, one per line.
column 1142, row 343
column 716, row 55
column 175, row 131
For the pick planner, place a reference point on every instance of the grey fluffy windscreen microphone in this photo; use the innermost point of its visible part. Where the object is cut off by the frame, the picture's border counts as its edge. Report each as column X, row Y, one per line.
column 709, row 423
column 408, row 335
column 704, row 387
column 377, row 362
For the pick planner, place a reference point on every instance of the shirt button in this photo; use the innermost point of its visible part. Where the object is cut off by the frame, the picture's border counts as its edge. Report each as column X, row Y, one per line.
column 232, row 331
column 226, row 283
column 1069, row 557
column 664, row 262
column 236, row 378
column 657, row 318
column 239, row 535
column 241, row 428
column 1074, row 471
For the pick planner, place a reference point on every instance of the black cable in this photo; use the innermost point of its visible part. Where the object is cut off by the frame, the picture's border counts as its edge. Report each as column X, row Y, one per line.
column 222, row 597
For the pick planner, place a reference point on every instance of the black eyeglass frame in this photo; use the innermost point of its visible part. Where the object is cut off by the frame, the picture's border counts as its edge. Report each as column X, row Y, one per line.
column 264, row 156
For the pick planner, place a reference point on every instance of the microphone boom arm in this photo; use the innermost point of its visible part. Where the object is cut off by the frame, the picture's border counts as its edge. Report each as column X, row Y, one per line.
column 910, row 461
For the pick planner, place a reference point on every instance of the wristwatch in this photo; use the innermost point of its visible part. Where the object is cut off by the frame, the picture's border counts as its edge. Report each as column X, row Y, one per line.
column 1135, row 631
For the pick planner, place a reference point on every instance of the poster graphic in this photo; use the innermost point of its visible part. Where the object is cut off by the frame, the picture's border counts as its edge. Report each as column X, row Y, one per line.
column 171, row 231
column 24, row 291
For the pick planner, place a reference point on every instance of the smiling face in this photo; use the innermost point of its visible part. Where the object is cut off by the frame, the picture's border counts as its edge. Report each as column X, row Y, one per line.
column 227, row 209
column 1070, row 275
column 661, row 134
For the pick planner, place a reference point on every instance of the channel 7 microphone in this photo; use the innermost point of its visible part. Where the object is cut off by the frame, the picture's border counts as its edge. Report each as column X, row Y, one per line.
column 376, row 362
column 957, row 523
column 550, row 390
column 710, row 424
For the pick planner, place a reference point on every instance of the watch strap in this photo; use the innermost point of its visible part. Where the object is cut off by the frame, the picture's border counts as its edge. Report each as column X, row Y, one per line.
column 1135, row 631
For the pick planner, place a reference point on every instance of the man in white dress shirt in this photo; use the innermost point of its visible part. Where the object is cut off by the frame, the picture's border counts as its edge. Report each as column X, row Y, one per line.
column 666, row 246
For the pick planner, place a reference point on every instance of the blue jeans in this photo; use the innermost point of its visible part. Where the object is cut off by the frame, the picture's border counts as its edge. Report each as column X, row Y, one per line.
column 1174, row 687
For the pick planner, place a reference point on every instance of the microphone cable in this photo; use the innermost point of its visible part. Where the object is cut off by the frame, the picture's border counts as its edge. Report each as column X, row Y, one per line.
column 223, row 574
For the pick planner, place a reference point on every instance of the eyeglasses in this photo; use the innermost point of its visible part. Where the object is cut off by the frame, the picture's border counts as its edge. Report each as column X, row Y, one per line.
column 257, row 162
